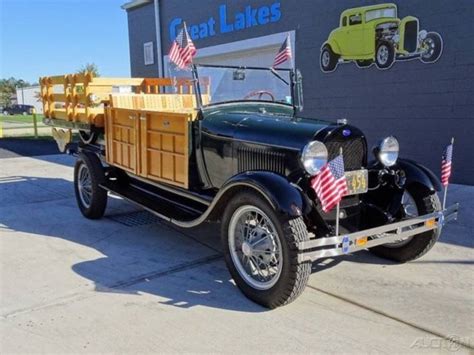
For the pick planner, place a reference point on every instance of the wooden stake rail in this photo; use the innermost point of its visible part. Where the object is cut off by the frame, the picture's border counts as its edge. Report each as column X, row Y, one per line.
column 80, row 98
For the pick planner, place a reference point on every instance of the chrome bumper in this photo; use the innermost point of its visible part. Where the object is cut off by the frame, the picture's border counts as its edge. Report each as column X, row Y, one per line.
column 314, row 249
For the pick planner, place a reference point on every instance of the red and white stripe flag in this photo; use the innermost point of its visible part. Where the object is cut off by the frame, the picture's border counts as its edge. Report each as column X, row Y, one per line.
column 284, row 53
column 183, row 50
column 446, row 165
column 330, row 184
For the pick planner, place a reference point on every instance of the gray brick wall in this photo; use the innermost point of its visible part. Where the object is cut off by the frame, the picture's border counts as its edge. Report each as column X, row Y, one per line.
column 422, row 104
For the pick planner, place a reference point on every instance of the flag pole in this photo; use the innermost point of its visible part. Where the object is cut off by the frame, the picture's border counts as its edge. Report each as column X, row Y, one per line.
column 446, row 187
column 338, row 208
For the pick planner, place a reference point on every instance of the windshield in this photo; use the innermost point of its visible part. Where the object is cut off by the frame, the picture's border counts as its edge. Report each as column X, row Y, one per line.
column 380, row 13
column 223, row 84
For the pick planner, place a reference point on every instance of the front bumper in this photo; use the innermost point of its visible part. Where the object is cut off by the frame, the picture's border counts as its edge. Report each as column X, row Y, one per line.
column 314, row 249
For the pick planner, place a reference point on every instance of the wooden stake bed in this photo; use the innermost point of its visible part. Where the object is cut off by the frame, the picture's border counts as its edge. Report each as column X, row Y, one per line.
column 146, row 132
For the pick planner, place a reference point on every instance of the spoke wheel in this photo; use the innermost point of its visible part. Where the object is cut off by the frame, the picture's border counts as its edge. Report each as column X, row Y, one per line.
column 417, row 200
column 261, row 250
column 85, row 185
column 88, row 176
column 255, row 247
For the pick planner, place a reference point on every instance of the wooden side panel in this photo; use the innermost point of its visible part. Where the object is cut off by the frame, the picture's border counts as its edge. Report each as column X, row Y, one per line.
column 122, row 140
column 165, row 147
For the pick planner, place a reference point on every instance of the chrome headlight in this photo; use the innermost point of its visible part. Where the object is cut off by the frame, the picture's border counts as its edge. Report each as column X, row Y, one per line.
column 314, row 157
column 422, row 34
column 387, row 151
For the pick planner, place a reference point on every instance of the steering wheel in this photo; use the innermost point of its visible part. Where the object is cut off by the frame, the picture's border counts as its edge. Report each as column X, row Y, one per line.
column 259, row 93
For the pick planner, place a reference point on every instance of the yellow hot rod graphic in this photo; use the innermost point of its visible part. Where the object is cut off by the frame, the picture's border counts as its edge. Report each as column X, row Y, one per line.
column 375, row 34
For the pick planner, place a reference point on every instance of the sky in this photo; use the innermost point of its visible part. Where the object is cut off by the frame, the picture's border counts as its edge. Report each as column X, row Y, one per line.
column 54, row 37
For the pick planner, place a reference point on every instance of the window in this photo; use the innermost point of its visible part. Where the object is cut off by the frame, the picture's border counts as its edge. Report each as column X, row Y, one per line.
column 355, row 19
column 389, row 12
column 148, row 54
column 344, row 21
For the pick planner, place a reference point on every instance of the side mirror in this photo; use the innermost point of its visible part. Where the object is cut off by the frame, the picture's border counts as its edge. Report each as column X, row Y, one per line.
column 298, row 88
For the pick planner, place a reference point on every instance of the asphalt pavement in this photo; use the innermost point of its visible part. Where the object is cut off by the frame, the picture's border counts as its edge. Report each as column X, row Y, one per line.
column 131, row 283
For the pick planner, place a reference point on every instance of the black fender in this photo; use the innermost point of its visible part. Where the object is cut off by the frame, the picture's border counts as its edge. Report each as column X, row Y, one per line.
column 286, row 198
column 417, row 173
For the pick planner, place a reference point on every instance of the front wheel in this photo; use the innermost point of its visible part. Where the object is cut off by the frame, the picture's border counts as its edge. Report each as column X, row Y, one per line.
column 432, row 47
column 261, row 253
column 385, row 55
column 88, row 175
column 416, row 201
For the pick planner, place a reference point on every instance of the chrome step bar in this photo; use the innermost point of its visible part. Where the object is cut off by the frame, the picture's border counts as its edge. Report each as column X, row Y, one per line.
column 314, row 249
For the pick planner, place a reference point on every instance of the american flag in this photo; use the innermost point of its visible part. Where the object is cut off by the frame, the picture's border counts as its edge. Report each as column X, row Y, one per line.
column 330, row 184
column 284, row 53
column 183, row 50
column 446, row 165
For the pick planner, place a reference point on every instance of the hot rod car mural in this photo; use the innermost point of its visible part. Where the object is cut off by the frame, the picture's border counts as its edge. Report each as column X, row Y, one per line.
column 374, row 34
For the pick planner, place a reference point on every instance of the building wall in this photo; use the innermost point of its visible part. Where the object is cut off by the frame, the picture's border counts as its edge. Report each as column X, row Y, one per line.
column 141, row 29
column 424, row 105
column 29, row 96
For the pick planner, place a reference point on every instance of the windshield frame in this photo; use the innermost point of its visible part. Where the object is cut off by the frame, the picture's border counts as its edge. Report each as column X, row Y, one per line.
column 197, row 86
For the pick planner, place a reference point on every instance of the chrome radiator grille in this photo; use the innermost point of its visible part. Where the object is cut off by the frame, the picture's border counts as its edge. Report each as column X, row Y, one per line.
column 354, row 151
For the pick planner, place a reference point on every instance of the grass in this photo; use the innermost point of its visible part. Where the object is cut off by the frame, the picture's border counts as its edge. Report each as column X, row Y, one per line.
column 21, row 118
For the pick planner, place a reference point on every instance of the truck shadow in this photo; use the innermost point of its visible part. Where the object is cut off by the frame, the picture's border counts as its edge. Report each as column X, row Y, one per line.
column 183, row 268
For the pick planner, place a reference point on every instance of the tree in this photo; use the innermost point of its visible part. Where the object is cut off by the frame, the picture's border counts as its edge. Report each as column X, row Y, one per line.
column 8, row 89
column 89, row 67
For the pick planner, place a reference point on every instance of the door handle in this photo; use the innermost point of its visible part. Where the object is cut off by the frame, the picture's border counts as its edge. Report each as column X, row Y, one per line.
column 131, row 117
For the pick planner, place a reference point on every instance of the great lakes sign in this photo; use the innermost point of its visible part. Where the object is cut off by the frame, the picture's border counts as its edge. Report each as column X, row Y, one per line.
column 228, row 22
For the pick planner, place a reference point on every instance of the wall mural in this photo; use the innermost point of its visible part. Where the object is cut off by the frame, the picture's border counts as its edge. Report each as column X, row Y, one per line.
column 375, row 35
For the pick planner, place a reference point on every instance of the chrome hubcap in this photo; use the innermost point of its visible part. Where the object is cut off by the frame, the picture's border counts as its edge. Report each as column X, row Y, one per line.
column 382, row 55
column 84, row 185
column 429, row 48
column 255, row 247
column 411, row 210
column 325, row 58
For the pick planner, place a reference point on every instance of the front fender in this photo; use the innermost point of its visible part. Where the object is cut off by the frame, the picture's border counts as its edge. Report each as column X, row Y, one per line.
column 282, row 195
column 331, row 42
column 417, row 173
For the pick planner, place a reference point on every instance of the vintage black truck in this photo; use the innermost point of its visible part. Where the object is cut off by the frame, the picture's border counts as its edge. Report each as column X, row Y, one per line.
column 228, row 144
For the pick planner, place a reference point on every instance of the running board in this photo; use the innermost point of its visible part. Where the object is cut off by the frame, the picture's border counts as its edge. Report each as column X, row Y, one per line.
column 157, row 204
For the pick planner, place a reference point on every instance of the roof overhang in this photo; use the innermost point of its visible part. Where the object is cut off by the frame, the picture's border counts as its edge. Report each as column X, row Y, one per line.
column 134, row 3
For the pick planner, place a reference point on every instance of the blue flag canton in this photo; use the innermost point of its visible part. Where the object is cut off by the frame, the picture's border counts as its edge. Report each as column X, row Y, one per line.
column 337, row 167
column 448, row 153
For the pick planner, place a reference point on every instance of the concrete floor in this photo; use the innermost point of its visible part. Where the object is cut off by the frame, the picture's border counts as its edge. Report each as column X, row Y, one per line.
column 69, row 284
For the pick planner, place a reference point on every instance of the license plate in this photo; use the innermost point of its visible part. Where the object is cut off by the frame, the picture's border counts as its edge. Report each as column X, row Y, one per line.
column 357, row 181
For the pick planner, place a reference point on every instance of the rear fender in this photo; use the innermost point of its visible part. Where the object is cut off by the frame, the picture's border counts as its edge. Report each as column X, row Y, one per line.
column 334, row 46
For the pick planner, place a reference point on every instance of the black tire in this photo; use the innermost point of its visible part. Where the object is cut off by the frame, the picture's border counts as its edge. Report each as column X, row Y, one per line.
column 328, row 59
column 426, row 202
column 293, row 277
column 384, row 55
column 435, row 44
column 364, row 63
column 98, row 196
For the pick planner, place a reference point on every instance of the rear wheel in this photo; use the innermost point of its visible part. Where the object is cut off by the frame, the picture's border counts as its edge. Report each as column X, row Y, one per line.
column 328, row 59
column 416, row 201
column 88, row 175
column 261, row 253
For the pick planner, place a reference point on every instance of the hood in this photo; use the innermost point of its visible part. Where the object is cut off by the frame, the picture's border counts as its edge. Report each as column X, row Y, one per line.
column 278, row 128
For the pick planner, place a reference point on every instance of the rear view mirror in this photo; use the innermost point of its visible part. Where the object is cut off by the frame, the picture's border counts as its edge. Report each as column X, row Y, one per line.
column 239, row 74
